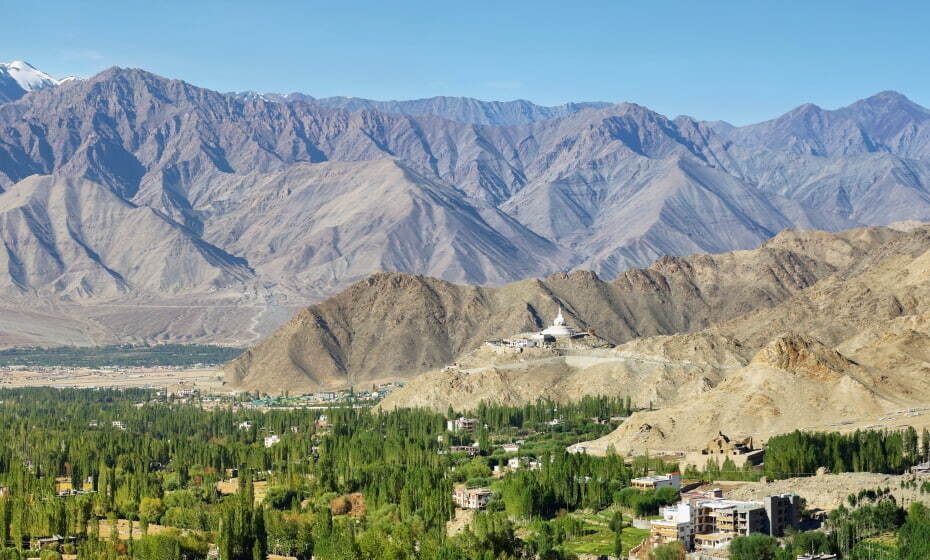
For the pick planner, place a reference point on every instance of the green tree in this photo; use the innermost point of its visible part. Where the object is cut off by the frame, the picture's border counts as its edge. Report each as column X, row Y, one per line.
column 754, row 547
column 914, row 535
column 671, row 551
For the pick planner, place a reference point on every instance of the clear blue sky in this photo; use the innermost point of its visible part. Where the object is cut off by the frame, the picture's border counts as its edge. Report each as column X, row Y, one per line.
column 738, row 61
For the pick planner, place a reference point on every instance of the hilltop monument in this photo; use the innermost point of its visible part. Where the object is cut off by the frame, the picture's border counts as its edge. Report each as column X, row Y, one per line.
column 558, row 328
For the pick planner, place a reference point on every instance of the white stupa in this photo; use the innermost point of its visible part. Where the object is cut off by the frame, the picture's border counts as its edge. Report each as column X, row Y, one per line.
column 558, row 328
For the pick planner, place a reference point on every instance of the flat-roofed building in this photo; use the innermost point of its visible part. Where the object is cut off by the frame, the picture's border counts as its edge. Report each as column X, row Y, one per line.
column 713, row 541
column 471, row 450
column 657, row 481
column 462, row 424
column 675, row 526
column 471, row 498
column 782, row 511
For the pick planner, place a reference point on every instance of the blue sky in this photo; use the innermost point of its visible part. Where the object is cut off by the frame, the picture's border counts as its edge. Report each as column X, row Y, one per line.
column 738, row 61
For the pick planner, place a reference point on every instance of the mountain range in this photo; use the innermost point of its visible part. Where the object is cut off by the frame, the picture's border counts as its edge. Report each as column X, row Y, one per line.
column 842, row 346
column 395, row 325
column 130, row 191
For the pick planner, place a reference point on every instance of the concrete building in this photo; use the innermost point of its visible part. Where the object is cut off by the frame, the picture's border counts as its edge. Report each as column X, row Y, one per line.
column 471, row 450
column 704, row 521
column 462, row 424
column 657, row 481
column 471, row 498
column 675, row 526
column 782, row 511
column 272, row 440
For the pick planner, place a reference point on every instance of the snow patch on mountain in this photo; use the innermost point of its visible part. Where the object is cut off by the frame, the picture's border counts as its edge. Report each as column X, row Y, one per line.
column 27, row 76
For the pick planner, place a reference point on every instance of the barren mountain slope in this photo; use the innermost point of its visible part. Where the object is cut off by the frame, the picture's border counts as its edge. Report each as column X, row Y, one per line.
column 657, row 370
column 891, row 281
column 620, row 185
column 314, row 227
column 397, row 325
column 878, row 317
column 794, row 382
column 312, row 198
column 77, row 238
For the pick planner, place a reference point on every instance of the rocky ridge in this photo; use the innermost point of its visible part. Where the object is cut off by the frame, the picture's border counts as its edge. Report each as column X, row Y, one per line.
column 398, row 325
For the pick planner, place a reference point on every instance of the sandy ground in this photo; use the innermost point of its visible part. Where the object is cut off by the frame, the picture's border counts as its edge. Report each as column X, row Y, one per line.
column 462, row 519
column 205, row 379
column 122, row 527
column 825, row 492
column 231, row 486
column 918, row 417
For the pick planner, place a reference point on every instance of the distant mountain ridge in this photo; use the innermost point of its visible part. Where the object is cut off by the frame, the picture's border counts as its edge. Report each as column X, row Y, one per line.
column 310, row 198
column 462, row 109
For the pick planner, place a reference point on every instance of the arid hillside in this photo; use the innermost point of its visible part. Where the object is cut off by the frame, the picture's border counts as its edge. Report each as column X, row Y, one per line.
column 395, row 325
column 850, row 348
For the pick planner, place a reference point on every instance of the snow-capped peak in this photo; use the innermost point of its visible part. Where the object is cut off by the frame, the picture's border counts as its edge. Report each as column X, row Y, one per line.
column 27, row 76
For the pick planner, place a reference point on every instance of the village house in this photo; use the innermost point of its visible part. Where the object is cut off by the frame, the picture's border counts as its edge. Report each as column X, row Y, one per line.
column 471, row 498
column 272, row 440
column 471, row 450
column 462, row 424
column 657, row 481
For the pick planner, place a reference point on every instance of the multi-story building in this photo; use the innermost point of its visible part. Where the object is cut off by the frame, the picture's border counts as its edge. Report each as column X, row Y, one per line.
column 462, row 424
column 782, row 511
column 471, row 498
column 707, row 522
column 675, row 526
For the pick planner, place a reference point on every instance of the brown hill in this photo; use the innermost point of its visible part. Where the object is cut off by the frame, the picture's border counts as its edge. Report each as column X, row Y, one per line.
column 873, row 326
column 657, row 370
column 397, row 325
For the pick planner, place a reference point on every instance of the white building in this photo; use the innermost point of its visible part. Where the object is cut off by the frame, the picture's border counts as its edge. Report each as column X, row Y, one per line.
column 657, row 481
column 462, row 424
column 471, row 498
column 271, row 440
column 675, row 525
